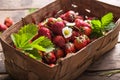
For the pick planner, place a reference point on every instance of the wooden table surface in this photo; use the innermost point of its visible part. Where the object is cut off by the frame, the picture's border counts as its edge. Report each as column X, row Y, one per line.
column 16, row 9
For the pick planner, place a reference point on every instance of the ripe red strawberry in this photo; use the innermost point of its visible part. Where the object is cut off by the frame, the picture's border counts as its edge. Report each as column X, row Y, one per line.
column 80, row 42
column 57, row 27
column 74, row 35
column 8, row 21
column 69, row 48
column 43, row 31
column 69, row 16
column 49, row 57
column 59, row 53
column 80, row 23
column 86, row 30
column 80, row 17
column 59, row 41
column 41, row 25
column 3, row 27
column 51, row 21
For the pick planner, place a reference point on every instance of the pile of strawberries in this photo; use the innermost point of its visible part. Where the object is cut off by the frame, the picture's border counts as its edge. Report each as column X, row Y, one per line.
column 70, row 32
column 7, row 23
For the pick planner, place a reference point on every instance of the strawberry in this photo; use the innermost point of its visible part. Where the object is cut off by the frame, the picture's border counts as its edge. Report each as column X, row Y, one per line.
column 74, row 35
column 59, row 41
column 8, row 21
column 69, row 48
column 51, row 21
column 86, row 30
column 80, row 42
column 43, row 31
column 41, row 25
column 3, row 27
column 80, row 17
column 59, row 53
column 57, row 27
column 49, row 57
column 80, row 23
column 69, row 16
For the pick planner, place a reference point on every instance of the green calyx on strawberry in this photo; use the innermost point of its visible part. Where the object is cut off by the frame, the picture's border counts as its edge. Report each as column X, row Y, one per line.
column 81, row 41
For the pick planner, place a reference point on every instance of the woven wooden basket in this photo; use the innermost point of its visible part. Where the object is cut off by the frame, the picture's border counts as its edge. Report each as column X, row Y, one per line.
column 22, row 67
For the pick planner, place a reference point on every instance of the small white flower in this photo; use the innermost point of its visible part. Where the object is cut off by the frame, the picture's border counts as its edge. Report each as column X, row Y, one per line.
column 67, row 32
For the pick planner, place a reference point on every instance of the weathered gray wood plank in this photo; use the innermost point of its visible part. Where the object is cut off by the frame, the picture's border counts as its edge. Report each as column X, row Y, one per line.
column 19, row 4
column 112, row 2
column 110, row 60
column 96, row 76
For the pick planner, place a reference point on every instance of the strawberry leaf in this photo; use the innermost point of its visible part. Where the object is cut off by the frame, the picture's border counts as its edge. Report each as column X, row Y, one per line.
column 22, row 38
column 29, row 28
column 22, row 41
column 107, row 19
column 34, row 54
column 100, row 27
column 110, row 26
column 43, row 43
column 96, row 25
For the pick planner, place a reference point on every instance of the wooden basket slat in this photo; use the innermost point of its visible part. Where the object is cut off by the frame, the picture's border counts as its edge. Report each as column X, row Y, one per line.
column 15, row 71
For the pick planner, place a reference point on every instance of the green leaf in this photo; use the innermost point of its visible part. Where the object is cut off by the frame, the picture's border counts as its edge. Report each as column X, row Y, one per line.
column 29, row 28
column 22, row 38
column 99, row 27
column 107, row 19
column 44, row 43
column 34, row 54
column 38, row 47
column 96, row 25
column 16, row 39
column 110, row 26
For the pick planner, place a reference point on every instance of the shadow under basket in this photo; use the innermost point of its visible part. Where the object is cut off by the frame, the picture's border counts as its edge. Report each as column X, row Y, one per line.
column 22, row 67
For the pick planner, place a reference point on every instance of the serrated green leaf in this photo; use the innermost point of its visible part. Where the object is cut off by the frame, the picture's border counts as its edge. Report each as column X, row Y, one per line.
column 44, row 42
column 96, row 25
column 110, row 26
column 29, row 28
column 38, row 47
column 22, row 38
column 107, row 19
column 34, row 54
column 16, row 39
